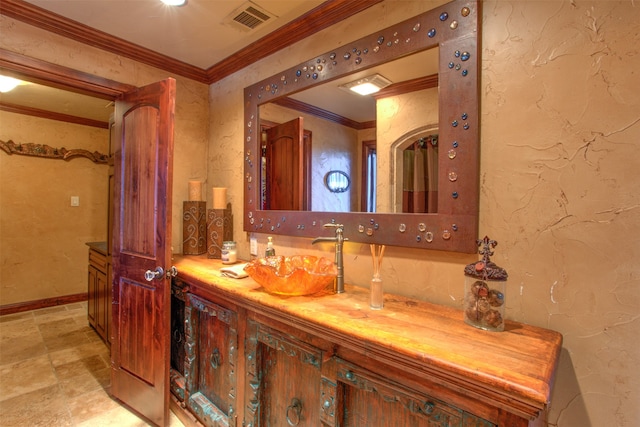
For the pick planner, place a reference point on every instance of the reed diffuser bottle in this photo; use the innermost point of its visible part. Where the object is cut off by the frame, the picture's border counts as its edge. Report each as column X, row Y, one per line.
column 376, row 301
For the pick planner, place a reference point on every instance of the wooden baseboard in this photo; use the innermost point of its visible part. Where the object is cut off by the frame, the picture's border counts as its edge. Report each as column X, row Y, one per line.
column 41, row 303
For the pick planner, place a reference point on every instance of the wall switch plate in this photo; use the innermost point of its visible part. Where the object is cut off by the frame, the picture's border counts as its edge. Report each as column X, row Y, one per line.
column 253, row 245
column 75, row 200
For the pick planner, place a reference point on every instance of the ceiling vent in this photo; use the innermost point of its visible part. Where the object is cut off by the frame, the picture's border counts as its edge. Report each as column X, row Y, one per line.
column 248, row 17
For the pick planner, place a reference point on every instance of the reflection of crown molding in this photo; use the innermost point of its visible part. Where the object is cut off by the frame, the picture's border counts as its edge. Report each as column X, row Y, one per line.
column 421, row 83
column 36, row 112
column 303, row 107
column 319, row 18
column 41, row 150
column 413, row 85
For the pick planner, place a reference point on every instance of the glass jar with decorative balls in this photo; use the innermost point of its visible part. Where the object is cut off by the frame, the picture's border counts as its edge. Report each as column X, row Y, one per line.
column 484, row 290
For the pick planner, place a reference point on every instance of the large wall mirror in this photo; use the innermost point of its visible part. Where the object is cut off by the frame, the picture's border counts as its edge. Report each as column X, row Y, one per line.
column 411, row 151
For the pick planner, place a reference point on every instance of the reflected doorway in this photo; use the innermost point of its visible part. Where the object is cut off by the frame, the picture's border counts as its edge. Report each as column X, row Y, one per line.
column 285, row 166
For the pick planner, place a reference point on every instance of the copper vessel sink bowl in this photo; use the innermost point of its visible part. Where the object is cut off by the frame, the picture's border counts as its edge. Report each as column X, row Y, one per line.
column 292, row 276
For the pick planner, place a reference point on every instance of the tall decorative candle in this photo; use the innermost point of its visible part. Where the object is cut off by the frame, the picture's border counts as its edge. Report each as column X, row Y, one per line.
column 195, row 191
column 219, row 198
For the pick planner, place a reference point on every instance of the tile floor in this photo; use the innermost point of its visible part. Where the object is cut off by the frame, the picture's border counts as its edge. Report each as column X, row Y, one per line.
column 54, row 371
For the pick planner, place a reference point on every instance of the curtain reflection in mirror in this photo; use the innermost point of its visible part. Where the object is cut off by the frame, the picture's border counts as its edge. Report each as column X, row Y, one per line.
column 420, row 176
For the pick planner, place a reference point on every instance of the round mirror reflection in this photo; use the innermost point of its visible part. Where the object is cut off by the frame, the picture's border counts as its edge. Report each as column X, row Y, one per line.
column 337, row 181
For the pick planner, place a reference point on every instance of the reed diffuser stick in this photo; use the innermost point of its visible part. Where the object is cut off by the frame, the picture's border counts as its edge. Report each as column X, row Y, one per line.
column 377, row 252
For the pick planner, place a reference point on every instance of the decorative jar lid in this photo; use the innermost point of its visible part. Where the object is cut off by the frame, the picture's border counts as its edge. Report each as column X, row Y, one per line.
column 485, row 269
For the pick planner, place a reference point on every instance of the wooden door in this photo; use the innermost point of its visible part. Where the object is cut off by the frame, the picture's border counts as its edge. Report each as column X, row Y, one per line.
column 140, row 346
column 285, row 166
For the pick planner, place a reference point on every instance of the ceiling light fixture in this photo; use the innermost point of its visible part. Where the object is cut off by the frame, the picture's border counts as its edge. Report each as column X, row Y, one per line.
column 174, row 2
column 367, row 85
column 8, row 83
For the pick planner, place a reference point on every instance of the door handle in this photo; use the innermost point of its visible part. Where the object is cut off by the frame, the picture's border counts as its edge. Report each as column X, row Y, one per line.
column 149, row 275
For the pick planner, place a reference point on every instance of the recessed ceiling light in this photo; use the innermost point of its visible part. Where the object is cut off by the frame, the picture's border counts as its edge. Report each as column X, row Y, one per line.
column 367, row 85
column 174, row 2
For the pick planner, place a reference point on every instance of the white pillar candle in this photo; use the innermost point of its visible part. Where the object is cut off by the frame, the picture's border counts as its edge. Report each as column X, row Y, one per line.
column 219, row 198
column 195, row 191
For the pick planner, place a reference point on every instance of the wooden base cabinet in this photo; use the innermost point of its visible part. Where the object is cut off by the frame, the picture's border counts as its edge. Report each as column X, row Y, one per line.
column 241, row 357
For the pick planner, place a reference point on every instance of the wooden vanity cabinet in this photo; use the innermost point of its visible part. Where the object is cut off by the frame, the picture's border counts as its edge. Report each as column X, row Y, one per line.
column 252, row 359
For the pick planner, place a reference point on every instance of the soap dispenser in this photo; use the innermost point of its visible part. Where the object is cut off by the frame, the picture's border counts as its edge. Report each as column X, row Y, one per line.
column 270, row 251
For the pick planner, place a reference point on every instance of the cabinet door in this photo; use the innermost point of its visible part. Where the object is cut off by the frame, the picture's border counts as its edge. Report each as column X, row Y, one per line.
column 210, row 368
column 367, row 399
column 178, row 354
column 102, row 303
column 284, row 376
column 92, row 295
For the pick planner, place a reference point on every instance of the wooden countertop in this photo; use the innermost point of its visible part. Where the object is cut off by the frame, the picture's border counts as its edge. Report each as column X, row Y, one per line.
column 515, row 368
column 98, row 246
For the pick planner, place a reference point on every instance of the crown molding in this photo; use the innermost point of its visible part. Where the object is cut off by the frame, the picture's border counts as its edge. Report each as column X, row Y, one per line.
column 321, row 17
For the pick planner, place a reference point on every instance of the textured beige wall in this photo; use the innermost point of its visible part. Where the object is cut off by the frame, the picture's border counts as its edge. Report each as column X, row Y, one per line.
column 560, row 187
column 190, row 154
column 42, row 238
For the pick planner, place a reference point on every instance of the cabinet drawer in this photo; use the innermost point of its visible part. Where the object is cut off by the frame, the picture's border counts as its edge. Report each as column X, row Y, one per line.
column 365, row 398
column 98, row 260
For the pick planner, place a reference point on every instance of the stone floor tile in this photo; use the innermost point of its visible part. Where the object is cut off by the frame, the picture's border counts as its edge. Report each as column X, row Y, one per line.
column 90, row 405
column 20, row 340
column 26, row 376
column 72, row 354
column 55, row 371
column 42, row 407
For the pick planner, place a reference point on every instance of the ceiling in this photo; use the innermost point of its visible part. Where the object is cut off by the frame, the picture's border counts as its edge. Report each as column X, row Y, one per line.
column 200, row 34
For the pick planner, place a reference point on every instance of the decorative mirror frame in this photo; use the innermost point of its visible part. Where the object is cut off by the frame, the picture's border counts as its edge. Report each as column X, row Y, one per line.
column 455, row 29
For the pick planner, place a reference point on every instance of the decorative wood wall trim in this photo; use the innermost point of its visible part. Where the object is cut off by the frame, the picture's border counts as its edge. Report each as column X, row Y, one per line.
column 323, row 16
column 41, row 303
column 36, row 112
column 41, row 150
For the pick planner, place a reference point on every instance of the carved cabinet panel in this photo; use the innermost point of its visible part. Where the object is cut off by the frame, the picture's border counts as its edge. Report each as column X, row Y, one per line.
column 284, row 374
column 211, row 343
column 366, row 399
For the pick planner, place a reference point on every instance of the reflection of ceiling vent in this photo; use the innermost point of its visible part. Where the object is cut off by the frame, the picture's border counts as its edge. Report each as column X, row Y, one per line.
column 248, row 17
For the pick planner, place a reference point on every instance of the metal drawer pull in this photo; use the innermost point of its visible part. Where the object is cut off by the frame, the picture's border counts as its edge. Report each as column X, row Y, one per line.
column 294, row 409
column 427, row 408
column 215, row 359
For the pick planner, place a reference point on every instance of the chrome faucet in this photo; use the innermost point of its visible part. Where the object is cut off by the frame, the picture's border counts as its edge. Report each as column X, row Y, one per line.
column 339, row 240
